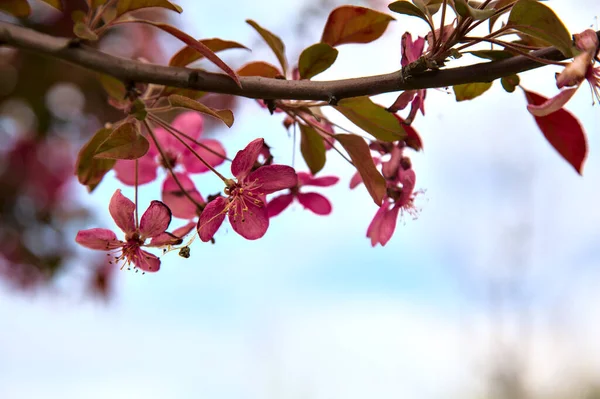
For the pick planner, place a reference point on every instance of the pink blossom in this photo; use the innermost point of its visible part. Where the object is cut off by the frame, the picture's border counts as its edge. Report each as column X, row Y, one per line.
column 315, row 202
column 570, row 79
column 177, row 200
column 411, row 51
column 176, row 154
column 245, row 201
column 153, row 223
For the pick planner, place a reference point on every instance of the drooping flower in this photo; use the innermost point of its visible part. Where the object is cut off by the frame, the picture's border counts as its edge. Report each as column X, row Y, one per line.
column 315, row 202
column 176, row 154
column 411, row 51
column 153, row 223
column 570, row 79
column 245, row 202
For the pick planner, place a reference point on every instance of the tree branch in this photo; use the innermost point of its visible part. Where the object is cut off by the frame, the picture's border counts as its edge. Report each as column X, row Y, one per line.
column 257, row 87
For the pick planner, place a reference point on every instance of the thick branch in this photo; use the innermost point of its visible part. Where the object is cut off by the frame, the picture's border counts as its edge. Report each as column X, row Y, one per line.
column 257, row 87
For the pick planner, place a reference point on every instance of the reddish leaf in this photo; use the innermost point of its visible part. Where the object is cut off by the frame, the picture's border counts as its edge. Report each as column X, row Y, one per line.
column 187, row 55
column 260, row 68
column 274, row 42
column 352, row 24
column 125, row 142
column 17, row 8
column 88, row 169
column 316, row 59
column 312, row 148
column 124, row 6
column 225, row 115
column 360, row 154
column 563, row 131
column 193, row 43
column 412, row 140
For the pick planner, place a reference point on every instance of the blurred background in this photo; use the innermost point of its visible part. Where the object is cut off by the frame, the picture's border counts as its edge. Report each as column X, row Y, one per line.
column 490, row 293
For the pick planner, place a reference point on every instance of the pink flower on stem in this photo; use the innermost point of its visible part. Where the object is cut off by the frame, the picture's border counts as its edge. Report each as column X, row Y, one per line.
column 411, row 51
column 175, row 198
column 245, row 201
column 153, row 223
column 312, row 201
column 176, row 154
column 582, row 68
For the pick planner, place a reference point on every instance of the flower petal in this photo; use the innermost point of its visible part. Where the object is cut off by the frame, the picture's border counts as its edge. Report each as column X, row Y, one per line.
column 211, row 218
column 214, row 156
column 125, row 170
column 245, row 159
column 408, row 178
column 190, row 123
column 323, row 181
column 147, row 262
column 553, row 104
column 403, row 100
column 411, row 51
column 164, row 239
column 101, row 239
column 315, row 202
column 383, row 224
column 274, row 178
column 155, row 220
column 355, row 180
column 121, row 209
column 252, row 223
column 184, row 230
column 175, row 198
column 278, row 204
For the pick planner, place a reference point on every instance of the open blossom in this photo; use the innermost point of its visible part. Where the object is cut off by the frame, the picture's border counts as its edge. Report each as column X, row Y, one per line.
column 582, row 68
column 245, row 201
column 153, row 224
column 313, row 201
column 411, row 51
column 176, row 154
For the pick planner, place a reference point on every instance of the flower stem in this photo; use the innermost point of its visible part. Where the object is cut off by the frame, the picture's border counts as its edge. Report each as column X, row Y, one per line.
column 175, row 133
column 170, row 168
column 137, row 220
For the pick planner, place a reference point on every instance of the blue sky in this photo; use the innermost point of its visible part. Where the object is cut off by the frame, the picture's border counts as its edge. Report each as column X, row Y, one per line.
column 311, row 310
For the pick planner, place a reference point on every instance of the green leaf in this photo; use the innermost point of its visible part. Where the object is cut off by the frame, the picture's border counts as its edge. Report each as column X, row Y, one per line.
column 193, row 94
column 407, row 8
column 124, row 6
column 90, row 170
column 360, row 154
column 510, row 83
column 187, row 55
column 494, row 55
column 113, row 86
column 82, row 31
column 125, row 142
column 312, row 148
column 195, row 44
column 17, row 8
column 54, row 3
column 428, row 7
column 465, row 10
column 372, row 118
column 498, row 6
column 316, row 59
column 537, row 20
column 273, row 41
column 225, row 115
column 353, row 24
column 260, row 68
column 469, row 91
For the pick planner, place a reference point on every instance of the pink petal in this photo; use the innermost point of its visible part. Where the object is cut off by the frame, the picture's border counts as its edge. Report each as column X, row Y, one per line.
column 125, row 170
column 245, row 159
column 274, row 178
column 411, row 51
column 315, row 202
column 101, row 239
column 211, row 218
column 184, row 230
column 147, row 262
column 553, row 104
column 168, row 142
column 190, row 123
column 278, row 204
column 356, row 180
column 175, row 198
column 323, row 181
column 373, row 229
column 402, row 101
column 194, row 165
column 390, row 168
column 164, row 239
column 408, row 179
column 121, row 209
column 252, row 223
column 155, row 220
column 383, row 224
